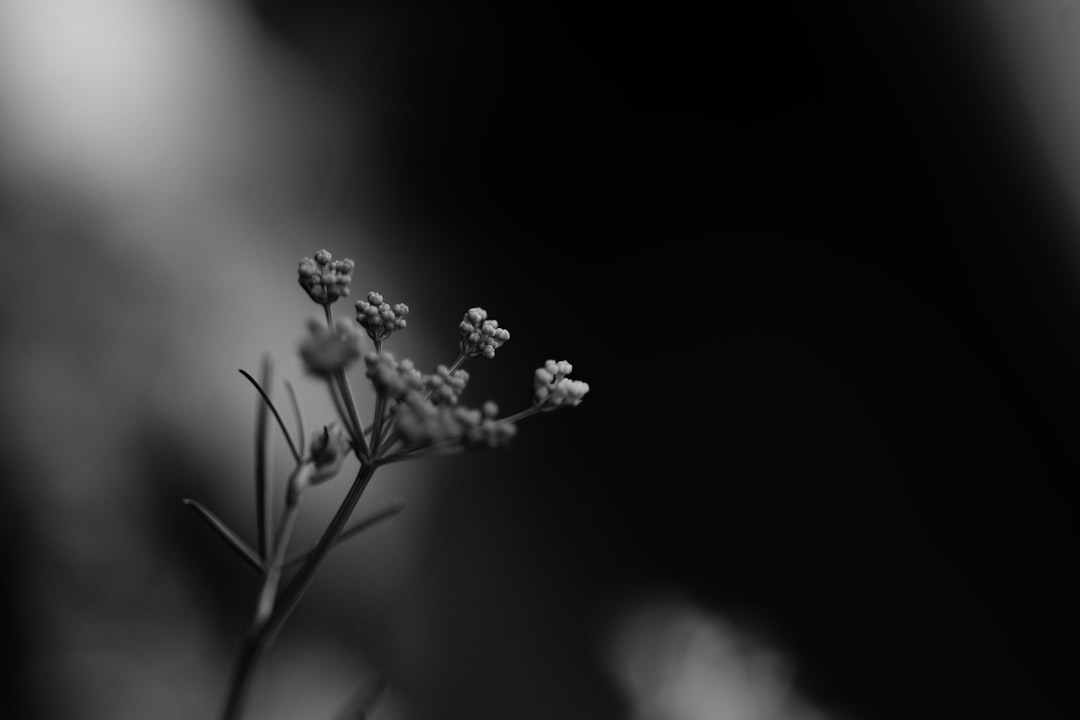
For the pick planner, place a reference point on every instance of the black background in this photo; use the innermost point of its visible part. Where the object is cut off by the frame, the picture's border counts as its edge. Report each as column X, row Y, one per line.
column 811, row 264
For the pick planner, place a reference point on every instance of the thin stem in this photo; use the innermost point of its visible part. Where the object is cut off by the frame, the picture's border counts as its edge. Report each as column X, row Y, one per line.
column 376, row 429
column 260, row 635
column 370, row 520
column 256, row 639
column 520, row 415
column 386, row 440
column 296, row 588
column 339, row 406
column 268, row 593
column 251, row 651
column 354, row 417
column 450, row 446
column 459, row 362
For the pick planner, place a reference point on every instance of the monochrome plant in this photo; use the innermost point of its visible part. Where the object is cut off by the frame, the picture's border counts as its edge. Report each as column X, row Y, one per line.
column 415, row 416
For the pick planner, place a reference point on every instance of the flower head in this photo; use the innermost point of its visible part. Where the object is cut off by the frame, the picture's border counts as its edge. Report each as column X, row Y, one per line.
column 392, row 377
column 326, row 351
column 479, row 335
column 444, row 387
column 325, row 279
column 553, row 389
column 489, row 432
column 424, row 423
column 379, row 318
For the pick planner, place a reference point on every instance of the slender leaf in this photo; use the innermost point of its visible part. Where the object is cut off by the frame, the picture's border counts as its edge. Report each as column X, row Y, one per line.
column 225, row 533
column 264, row 490
column 368, row 521
column 299, row 417
column 277, row 416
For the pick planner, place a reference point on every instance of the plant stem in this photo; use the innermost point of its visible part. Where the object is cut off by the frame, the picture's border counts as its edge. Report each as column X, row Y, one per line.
column 296, row 588
column 255, row 642
column 256, row 638
column 457, row 363
column 376, row 428
column 520, row 415
column 354, row 418
column 273, row 572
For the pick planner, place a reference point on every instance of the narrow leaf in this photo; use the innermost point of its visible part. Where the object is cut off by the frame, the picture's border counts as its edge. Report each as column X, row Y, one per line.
column 368, row 521
column 225, row 533
column 299, row 417
column 277, row 416
column 264, row 491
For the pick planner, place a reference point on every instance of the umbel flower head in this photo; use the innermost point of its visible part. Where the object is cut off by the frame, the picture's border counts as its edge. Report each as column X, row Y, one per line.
column 379, row 318
column 445, row 387
column 325, row 279
column 486, row 431
column 392, row 377
column 479, row 335
column 422, row 423
column 553, row 389
column 326, row 351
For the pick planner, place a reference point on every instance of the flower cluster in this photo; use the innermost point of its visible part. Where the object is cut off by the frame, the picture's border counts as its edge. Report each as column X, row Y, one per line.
column 326, row 351
column 480, row 336
column 445, row 387
column 415, row 416
column 379, row 318
column 392, row 377
column 422, row 422
column 325, row 279
column 553, row 389
column 485, row 430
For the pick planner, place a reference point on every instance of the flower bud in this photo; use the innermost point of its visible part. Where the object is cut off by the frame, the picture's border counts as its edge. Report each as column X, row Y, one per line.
column 329, row 449
column 552, row 389
column 325, row 279
column 480, row 335
column 378, row 318
column 326, row 351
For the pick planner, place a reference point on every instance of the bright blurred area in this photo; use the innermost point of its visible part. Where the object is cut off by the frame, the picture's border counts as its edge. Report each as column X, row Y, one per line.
column 675, row 661
column 163, row 167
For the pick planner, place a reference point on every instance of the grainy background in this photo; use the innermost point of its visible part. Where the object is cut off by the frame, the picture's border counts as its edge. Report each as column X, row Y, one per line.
column 813, row 260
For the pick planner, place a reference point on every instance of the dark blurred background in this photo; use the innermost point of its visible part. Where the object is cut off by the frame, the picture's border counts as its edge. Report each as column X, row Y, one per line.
column 817, row 263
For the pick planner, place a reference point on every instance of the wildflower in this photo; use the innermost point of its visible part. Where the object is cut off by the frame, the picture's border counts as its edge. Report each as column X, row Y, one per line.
column 489, row 432
column 325, row 279
column 329, row 448
column 424, row 423
column 326, row 351
column 392, row 377
column 480, row 336
column 553, row 389
column 379, row 318
column 444, row 387
column 421, row 422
